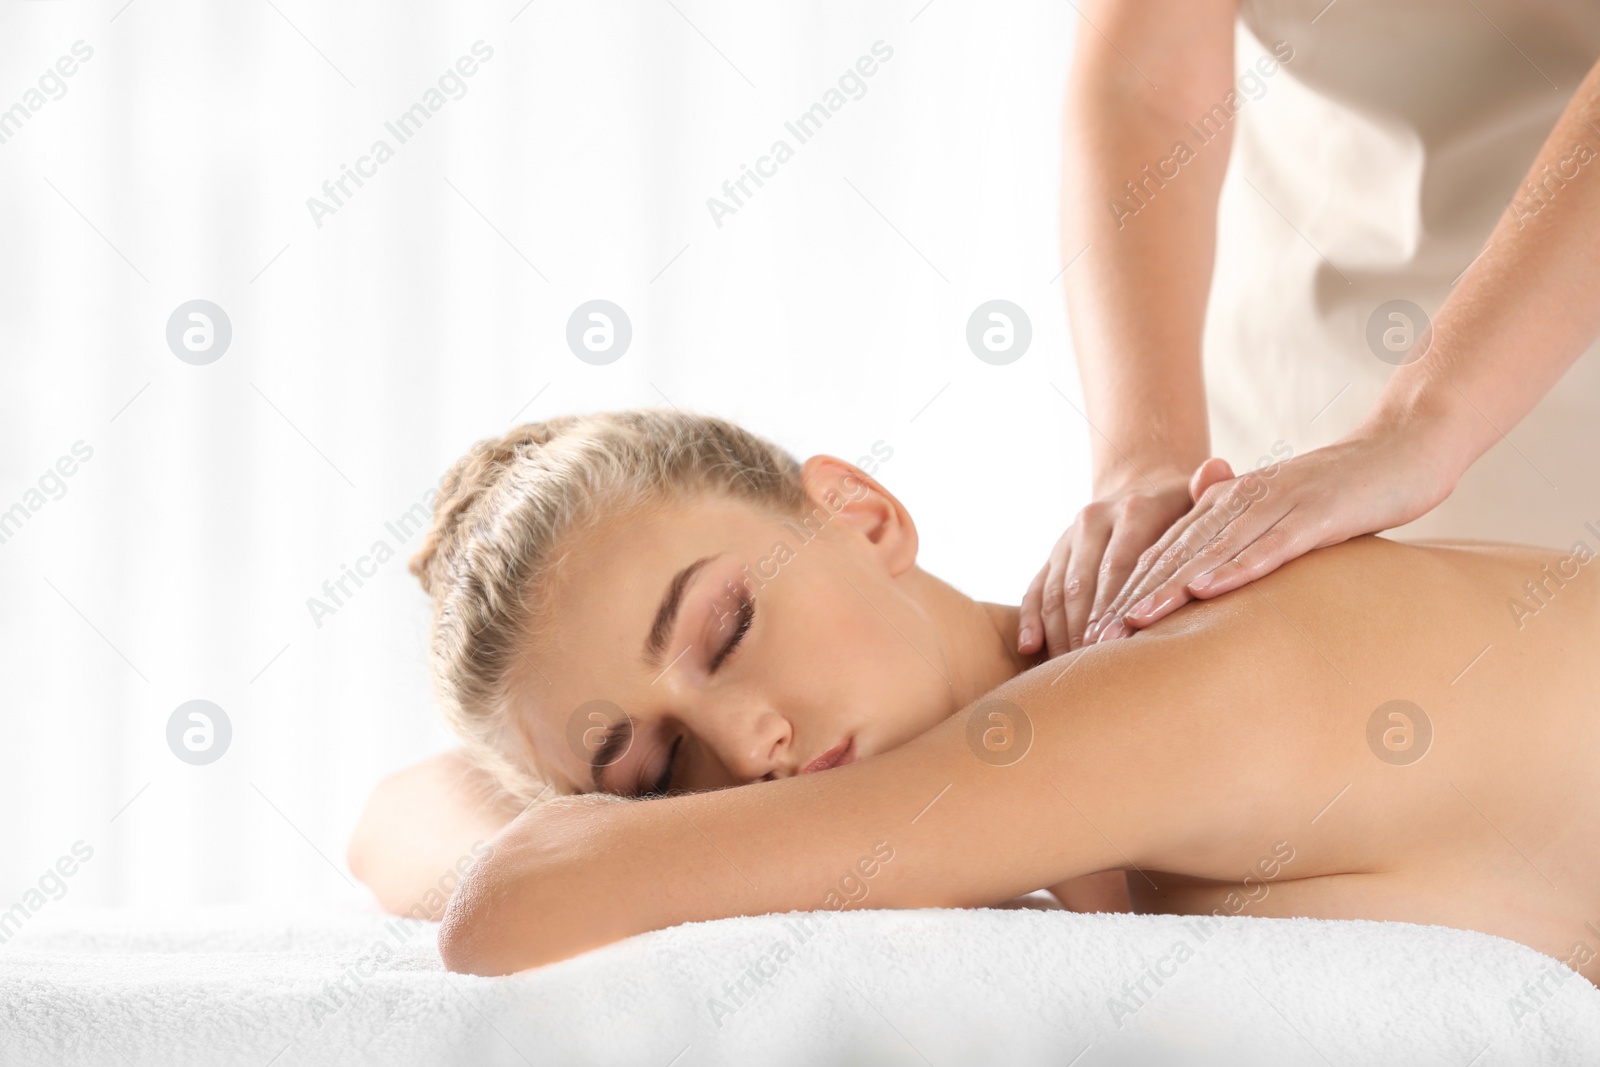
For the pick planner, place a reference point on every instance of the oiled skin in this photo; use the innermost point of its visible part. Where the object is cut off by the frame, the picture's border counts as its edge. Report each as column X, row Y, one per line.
column 1222, row 739
column 1493, row 828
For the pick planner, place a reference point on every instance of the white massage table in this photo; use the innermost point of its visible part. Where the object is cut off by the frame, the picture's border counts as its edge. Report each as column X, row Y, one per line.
column 1016, row 986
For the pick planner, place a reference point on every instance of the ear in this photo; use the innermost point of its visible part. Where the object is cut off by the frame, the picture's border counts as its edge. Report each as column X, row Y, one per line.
column 843, row 495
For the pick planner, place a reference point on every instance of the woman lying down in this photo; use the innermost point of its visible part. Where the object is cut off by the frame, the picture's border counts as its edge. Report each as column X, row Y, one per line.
column 635, row 610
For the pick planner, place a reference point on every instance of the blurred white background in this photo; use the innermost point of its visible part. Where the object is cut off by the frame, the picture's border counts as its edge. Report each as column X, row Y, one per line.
column 429, row 310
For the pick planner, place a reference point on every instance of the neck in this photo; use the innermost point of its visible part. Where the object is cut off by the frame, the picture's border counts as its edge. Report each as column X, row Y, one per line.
column 978, row 639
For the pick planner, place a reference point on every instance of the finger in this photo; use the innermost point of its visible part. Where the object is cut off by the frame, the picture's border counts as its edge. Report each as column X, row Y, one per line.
column 1285, row 541
column 1232, row 539
column 1153, row 588
column 1052, row 614
column 1131, row 537
column 1214, row 470
column 1106, row 613
column 1154, row 566
column 1030, row 625
column 1219, row 505
column 1088, row 550
column 1106, row 616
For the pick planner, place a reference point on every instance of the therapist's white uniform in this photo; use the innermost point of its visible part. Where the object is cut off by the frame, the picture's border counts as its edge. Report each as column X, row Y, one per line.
column 1370, row 167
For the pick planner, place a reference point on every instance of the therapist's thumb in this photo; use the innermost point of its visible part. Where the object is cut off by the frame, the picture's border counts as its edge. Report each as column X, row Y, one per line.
column 1206, row 475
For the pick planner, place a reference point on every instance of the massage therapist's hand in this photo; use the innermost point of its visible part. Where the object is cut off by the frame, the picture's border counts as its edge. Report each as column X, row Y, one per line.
column 1244, row 527
column 1095, row 556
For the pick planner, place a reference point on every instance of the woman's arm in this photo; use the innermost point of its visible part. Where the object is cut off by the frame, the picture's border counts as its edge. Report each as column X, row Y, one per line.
column 1135, row 758
column 1150, row 248
column 1138, row 231
column 1525, row 309
column 421, row 828
column 1520, row 315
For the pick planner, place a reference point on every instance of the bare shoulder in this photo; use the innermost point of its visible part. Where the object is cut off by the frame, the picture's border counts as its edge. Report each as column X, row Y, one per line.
column 1374, row 557
column 1497, row 588
column 1373, row 597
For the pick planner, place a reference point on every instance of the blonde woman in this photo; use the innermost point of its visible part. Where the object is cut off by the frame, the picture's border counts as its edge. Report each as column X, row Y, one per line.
column 655, row 631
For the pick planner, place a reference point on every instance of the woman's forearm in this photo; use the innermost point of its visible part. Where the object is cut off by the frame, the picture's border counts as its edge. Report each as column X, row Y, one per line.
column 927, row 824
column 1522, row 312
column 1139, row 227
column 1112, row 775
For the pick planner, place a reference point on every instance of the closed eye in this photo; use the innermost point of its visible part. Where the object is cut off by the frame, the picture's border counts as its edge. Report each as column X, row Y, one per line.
column 664, row 783
column 747, row 615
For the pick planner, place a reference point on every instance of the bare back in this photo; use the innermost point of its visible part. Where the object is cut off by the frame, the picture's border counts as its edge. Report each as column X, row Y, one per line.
column 1445, row 705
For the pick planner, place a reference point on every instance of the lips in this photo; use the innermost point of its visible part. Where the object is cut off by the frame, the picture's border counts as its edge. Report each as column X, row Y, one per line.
column 837, row 756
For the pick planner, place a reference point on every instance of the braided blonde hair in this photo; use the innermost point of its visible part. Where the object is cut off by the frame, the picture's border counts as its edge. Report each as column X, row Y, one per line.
column 506, row 516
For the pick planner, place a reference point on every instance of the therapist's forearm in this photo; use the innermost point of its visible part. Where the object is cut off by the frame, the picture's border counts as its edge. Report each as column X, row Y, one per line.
column 1136, row 298
column 1523, row 312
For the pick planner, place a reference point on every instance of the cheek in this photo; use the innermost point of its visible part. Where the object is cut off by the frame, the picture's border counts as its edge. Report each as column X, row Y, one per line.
column 852, row 636
column 884, row 663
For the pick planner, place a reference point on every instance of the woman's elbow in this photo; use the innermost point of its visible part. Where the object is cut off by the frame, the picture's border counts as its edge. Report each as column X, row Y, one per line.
column 459, row 947
column 467, row 941
column 504, row 918
column 491, row 926
column 544, row 893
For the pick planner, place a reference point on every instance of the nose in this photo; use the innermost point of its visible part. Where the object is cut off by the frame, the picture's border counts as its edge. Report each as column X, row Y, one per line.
column 752, row 745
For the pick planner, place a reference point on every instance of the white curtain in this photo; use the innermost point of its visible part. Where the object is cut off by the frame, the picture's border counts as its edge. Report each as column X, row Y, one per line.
column 171, row 520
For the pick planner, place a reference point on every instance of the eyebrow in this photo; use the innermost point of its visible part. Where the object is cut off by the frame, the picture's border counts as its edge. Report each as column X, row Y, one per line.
column 655, row 644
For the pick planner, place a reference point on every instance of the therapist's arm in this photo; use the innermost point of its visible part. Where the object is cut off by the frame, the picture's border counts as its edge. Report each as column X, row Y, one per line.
column 1137, row 283
column 1524, row 311
column 1517, row 319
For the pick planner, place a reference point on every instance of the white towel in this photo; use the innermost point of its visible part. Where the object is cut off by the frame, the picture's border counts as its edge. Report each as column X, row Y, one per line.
column 223, row 986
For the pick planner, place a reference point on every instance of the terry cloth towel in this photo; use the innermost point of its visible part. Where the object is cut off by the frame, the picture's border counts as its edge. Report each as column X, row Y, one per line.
column 246, row 986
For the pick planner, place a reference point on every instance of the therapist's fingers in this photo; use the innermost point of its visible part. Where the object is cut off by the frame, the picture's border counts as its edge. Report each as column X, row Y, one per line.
column 1130, row 559
column 1214, row 470
column 1229, row 542
column 1044, row 611
column 1292, row 536
column 1192, row 538
column 1109, row 616
column 1030, row 617
column 1156, row 573
column 1139, row 529
column 1091, row 534
column 1153, row 566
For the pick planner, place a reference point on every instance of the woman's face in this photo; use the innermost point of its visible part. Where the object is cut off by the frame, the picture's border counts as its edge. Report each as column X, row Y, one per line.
column 739, row 650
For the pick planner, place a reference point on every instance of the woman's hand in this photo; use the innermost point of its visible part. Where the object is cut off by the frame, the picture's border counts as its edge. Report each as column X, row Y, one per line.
column 1244, row 527
column 1094, row 558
